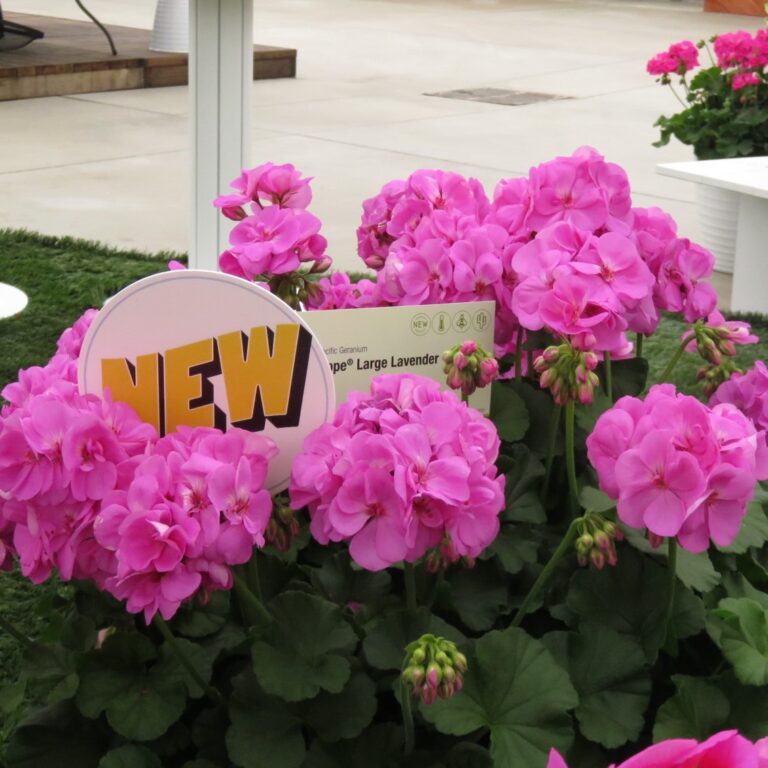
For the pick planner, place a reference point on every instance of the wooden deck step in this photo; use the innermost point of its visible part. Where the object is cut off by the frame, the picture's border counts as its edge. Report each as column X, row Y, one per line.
column 74, row 57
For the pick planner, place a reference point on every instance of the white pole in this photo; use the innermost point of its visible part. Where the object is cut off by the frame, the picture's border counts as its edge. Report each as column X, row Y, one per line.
column 220, row 83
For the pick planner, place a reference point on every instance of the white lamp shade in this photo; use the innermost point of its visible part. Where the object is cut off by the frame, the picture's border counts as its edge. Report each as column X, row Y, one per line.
column 171, row 31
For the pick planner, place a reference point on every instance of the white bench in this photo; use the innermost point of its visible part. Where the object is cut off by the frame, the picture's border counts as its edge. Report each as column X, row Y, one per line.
column 749, row 177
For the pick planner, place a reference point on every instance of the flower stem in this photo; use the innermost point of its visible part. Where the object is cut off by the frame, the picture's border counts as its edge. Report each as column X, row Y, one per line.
column 252, row 575
column 547, row 572
column 519, row 354
column 405, row 706
column 464, row 398
column 676, row 357
column 639, row 338
column 671, row 579
column 570, row 454
column 410, row 586
column 212, row 693
column 15, row 633
column 552, row 430
column 608, row 376
column 252, row 606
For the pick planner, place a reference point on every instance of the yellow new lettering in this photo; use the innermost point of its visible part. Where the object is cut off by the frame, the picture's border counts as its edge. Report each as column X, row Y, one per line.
column 136, row 385
column 259, row 374
column 188, row 393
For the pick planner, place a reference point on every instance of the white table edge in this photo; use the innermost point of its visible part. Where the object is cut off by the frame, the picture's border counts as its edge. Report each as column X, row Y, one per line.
column 675, row 171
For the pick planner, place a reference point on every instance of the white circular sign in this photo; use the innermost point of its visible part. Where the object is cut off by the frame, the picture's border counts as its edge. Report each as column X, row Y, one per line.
column 200, row 348
column 12, row 300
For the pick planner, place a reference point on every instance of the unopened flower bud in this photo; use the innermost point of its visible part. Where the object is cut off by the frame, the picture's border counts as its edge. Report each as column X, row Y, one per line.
column 468, row 348
column 597, row 558
column 433, row 667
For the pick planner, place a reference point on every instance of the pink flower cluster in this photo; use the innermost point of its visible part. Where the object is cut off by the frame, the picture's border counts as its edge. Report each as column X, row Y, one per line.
column 742, row 50
column 678, row 467
column 679, row 58
column 279, row 235
column 726, row 749
column 87, row 488
column 561, row 249
column 402, row 470
column 748, row 392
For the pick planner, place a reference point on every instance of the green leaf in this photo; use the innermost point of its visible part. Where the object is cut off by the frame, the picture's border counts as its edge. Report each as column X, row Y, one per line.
column 516, row 689
column 479, row 594
column 749, row 707
column 12, row 697
column 629, row 376
column 539, row 405
column 739, row 627
column 628, row 598
column 696, row 711
column 263, row 732
column 140, row 703
column 526, row 508
column 55, row 737
column 466, row 755
column 516, row 546
column 130, row 756
column 696, row 571
column 51, row 672
column 175, row 671
column 388, row 634
column 380, row 746
column 342, row 583
column 522, row 470
column 200, row 763
column 78, row 633
column 508, row 412
column 595, row 500
column 196, row 620
column 305, row 650
column 609, row 673
column 753, row 531
column 587, row 415
column 335, row 716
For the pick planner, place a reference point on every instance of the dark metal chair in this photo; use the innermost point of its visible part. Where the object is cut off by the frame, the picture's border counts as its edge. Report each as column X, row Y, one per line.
column 13, row 35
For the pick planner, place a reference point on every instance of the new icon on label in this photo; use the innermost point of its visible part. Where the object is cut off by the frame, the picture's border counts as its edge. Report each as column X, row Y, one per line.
column 441, row 322
column 481, row 319
column 461, row 321
column 419, row 324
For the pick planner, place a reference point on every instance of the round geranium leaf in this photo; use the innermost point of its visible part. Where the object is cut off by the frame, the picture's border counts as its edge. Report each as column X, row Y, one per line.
column 263, row 732
column 344, row 715
column 305, row 650
column 696, row 711
column 515, row 688
column 130, row 756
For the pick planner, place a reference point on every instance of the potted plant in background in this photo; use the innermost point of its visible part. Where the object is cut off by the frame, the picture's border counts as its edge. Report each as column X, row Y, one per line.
column 724, row 114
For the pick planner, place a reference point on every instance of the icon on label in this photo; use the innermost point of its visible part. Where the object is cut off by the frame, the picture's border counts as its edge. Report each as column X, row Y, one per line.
column 481, row 319
column 419, row 324
column 441, row 322
column 461, row 321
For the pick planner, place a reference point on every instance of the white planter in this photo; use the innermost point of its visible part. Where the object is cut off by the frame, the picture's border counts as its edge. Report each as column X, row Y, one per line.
column 718, row 216
column 171, row 31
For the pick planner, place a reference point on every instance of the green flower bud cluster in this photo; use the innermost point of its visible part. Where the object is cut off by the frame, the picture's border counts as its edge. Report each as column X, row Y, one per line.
column 596, row 542
column 433, row 668
column 442, row 556
column 294, row 288
column 468, row 366
column 283, row 527
column 569, row 373
column 714, row 375
column 714, row 342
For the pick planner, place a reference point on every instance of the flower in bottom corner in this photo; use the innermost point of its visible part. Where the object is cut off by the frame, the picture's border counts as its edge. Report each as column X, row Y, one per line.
column 727, row 749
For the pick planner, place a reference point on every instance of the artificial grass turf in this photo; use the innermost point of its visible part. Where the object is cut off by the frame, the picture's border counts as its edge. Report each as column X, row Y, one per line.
column 63, row 277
